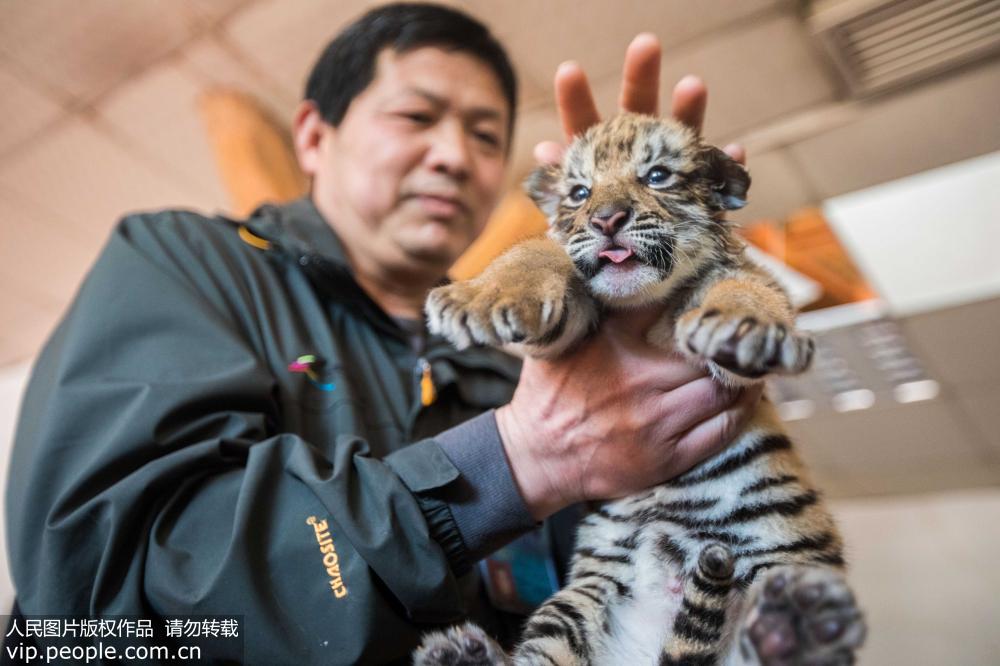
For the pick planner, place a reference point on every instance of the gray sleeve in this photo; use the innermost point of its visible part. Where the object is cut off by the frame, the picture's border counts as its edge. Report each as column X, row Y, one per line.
column 485, row 504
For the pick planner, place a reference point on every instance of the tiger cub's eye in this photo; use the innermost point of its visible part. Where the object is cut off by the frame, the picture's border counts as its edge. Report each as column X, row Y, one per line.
column 657, row 176
column 579, row 193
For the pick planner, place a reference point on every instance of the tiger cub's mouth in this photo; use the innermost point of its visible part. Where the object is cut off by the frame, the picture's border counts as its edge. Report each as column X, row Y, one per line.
column 623, row 253
column 625, row 270
column 615, row 254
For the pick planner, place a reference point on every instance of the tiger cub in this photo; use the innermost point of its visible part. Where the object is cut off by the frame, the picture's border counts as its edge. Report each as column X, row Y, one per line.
column 736, row 561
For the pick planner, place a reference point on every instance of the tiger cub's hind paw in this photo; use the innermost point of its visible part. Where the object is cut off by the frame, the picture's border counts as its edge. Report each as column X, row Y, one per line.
column 467, row 645
column 803, row 615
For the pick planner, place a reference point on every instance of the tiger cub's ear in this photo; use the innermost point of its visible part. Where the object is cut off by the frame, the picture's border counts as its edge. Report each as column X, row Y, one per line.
column 729, row 180
column 543, row 187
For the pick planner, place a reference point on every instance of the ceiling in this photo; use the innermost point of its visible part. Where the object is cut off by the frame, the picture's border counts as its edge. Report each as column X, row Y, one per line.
column 99, row 117
column 952, row 441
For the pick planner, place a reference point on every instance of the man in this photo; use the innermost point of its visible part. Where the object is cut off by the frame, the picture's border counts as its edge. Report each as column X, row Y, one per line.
column 246, row 418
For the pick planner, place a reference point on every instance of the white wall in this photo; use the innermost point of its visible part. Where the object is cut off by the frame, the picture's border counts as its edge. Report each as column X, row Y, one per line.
column 925, row 570
column 12, row 381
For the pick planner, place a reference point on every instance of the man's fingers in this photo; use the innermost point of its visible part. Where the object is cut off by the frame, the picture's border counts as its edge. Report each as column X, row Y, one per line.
column 639, row 94
column 737, row 152
column 687, row 405
column 641, row 76
column 549, row 152
column 715, row 433
column 676, row 372
column 574, row 100
column 688, row 102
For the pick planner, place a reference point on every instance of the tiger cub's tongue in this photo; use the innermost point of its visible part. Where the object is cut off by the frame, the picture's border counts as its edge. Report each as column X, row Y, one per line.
column 617, row 255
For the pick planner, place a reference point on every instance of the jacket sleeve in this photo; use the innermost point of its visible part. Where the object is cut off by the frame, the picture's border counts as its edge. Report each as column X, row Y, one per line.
column 148, row 477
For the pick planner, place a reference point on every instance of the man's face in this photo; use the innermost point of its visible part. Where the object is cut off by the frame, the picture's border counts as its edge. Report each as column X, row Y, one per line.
column 411, row 174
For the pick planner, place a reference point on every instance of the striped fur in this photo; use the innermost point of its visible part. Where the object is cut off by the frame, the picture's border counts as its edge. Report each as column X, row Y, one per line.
column 755, row 499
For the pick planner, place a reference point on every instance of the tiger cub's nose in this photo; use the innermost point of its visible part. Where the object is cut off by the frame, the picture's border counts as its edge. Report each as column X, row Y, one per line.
column 609, row 219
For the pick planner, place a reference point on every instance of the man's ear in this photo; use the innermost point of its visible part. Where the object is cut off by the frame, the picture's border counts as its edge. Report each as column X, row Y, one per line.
column 541, row 186
column 729, row 180
column 307, row 133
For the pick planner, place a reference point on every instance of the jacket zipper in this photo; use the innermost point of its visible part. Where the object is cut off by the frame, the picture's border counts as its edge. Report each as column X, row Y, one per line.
column 428, row 393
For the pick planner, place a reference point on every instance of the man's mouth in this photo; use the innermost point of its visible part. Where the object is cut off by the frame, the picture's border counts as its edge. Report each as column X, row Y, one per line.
column 440, row 205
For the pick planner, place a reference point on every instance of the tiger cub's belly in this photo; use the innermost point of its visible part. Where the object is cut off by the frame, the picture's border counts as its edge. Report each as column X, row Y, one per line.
column 639, row 626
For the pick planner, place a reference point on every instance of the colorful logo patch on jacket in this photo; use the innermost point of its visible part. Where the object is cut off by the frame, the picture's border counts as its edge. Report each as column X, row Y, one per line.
column 307, row 365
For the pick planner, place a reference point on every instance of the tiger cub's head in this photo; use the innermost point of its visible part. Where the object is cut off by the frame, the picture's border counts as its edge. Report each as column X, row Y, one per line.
column 638, row 204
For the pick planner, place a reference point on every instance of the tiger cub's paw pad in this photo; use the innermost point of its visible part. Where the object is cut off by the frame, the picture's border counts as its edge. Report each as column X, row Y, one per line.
column 467, row 645
column 467, row 314
column 805, row 615
column 744, row 344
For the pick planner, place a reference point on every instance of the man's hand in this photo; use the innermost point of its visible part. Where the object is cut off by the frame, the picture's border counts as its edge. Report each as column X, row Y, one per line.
column 616, row 415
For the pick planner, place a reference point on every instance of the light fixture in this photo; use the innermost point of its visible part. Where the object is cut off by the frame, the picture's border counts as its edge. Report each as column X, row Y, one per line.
column 924, row 389
column 852, row 401
column 796, row 410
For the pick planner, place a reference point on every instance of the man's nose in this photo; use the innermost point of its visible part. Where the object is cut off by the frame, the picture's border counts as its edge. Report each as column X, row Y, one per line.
column 609, row 219
column 449, row 151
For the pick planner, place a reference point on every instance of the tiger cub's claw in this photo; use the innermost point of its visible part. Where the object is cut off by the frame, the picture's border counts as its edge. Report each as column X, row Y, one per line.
column 744, row 344
column 470, row 313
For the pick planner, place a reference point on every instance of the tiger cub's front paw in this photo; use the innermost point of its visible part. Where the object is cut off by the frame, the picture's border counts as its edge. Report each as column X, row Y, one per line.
column 745, row 344
column 468, row 313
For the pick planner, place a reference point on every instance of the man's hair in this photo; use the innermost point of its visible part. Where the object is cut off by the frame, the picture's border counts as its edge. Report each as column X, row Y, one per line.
column 347, row 65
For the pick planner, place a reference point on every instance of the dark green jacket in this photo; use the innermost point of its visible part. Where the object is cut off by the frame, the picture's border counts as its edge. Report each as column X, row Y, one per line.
column 168, row 461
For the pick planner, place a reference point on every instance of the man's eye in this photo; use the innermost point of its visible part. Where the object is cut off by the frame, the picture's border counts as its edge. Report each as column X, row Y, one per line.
column 489, row 138
column 579, row 193
column 657, row 177
column 418, row 117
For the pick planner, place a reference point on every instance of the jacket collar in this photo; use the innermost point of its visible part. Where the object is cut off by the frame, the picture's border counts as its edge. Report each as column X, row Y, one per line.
column 298, row 228
column 298, row 231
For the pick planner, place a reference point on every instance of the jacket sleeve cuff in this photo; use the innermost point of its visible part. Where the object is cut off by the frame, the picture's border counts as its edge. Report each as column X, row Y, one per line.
column 426, row 471
column 484, row 501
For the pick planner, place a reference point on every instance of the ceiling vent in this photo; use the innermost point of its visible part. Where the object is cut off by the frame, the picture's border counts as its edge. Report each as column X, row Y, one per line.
column 877, row 45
